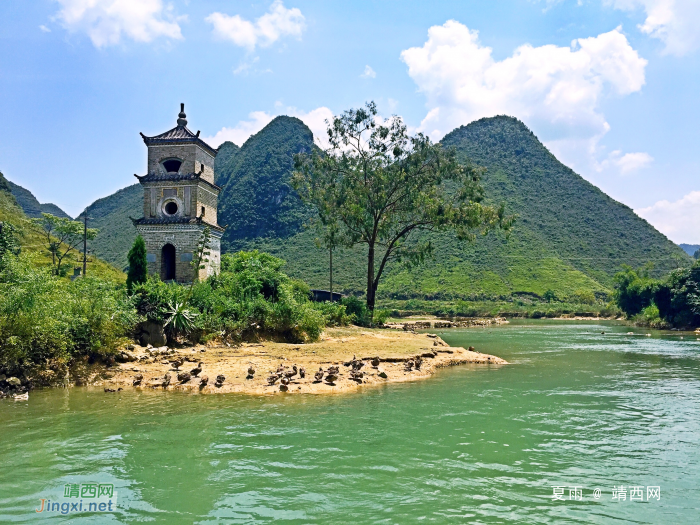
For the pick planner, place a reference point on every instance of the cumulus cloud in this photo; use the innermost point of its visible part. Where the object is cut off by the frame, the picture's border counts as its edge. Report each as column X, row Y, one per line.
column 265, row 31
column 679, row 220
column 674, row 22
column 106, row 21
column 368, row 73
column 556, row 90
column 630, row 162
column 257, row 120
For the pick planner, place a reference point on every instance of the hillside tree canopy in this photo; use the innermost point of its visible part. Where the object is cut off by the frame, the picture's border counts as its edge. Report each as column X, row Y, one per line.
column 376, row 185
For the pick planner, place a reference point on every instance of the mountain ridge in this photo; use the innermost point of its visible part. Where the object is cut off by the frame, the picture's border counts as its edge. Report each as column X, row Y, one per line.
column 569, row 236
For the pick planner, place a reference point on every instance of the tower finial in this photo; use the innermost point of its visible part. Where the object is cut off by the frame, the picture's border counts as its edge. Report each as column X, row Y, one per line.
column 182, row 118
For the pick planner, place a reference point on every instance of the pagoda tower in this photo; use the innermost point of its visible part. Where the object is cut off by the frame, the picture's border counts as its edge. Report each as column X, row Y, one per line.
column 179, row 201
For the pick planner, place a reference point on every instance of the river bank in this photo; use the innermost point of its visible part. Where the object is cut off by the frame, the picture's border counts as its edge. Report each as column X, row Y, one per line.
column 402, row 356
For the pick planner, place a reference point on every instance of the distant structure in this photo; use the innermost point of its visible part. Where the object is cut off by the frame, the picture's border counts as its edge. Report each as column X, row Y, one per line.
column 180, row 200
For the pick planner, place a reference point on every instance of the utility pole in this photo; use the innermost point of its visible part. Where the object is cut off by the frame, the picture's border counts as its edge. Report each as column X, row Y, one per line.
column 85, row 218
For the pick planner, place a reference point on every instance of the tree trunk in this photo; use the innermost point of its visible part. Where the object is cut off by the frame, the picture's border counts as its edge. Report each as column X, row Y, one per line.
column 370, row 280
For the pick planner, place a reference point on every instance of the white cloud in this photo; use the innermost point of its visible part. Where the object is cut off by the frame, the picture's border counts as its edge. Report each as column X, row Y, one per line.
column 674, row 22
column 106, row 21
column 679, row 220
column 266, row 30
column 44, row 29
column 368, row 73
column 630, row 162
column 556, row 90
column 257, row 120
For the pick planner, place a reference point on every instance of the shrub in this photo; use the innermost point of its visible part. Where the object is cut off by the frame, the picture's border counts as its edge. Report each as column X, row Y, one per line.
column 44, row 318
column 138, row 265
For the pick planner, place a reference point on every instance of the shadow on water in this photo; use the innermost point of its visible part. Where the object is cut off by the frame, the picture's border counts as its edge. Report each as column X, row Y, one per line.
column 485, row 444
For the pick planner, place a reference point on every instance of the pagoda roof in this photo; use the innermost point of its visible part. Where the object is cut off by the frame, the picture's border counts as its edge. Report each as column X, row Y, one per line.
column 180, row 134
column 175, row 220
column 171, row 177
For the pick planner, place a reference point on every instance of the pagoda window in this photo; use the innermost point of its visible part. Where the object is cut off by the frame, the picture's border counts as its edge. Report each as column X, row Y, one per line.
column 172, row 165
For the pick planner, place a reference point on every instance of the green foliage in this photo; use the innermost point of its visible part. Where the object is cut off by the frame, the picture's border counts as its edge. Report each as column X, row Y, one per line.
column 180, row 319
column 4, row 185
column 569, row 235
column 111, row 215
column 377, row 186
column 250, row 297
column 584, row 296
column 138, row 264
column 678, row 298
column 696, row 255
column 44, row 318
column 202, row 253
column 29, row 204
column 549, row 296
column 634, row 289
column 360, row 314
column 257, row 199
column 9, row 240
column 62, row 236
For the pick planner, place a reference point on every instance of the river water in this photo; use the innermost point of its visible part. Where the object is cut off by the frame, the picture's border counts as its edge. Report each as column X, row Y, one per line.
column 478, row 444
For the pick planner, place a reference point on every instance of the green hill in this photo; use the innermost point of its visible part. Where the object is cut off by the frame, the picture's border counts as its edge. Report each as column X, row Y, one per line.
column 256, row 200
column 569, row 237
column 30, row 205
column 31, row 239
column 111, row 216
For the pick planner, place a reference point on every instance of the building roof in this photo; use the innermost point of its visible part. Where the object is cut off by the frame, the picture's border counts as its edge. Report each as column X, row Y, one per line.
column 158, row 177
column 175, row 220
column 180, row 134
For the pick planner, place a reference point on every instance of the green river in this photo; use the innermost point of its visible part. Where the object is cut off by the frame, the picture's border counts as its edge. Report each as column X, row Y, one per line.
column 477, row 444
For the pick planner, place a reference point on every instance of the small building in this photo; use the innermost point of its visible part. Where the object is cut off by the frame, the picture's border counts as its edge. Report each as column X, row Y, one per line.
column 180, row 200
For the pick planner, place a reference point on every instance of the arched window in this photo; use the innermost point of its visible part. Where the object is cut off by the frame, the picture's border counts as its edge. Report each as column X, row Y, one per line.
column 170, row 208
column 167, row 262
column 172, row 165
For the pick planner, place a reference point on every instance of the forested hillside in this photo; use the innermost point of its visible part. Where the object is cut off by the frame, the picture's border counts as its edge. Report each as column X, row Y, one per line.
column 569, row 237
column 32, row 239
column 30, row 205
column 111, row 216
column 256, row 200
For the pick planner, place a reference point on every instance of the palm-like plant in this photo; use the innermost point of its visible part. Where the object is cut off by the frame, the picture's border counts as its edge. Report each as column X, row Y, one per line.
column 180, row 320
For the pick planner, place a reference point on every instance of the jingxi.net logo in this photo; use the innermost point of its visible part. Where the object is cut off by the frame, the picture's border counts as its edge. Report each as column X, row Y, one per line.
column 83, row 497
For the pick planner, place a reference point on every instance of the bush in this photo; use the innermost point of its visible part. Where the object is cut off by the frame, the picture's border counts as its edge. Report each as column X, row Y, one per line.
column 634, row 289
column 360, row 314
column 46, row 319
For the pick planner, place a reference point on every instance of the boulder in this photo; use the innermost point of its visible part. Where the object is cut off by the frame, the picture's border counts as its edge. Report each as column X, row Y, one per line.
column 150, row 333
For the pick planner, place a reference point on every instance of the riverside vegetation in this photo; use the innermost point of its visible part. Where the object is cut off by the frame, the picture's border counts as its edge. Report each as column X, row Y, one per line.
column 50, row 325
column 671, row 302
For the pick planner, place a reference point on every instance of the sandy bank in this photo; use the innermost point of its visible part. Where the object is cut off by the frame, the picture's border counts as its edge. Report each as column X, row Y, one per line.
column 397, row 352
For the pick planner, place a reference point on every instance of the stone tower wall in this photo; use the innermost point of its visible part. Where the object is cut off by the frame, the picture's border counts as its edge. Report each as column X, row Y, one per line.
column 185, row 238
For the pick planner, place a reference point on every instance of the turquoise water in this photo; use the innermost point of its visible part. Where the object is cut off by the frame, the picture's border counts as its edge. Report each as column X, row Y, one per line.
column 472, row 444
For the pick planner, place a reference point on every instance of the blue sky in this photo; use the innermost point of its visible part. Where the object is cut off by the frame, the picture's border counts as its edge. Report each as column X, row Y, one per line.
column 610, row 86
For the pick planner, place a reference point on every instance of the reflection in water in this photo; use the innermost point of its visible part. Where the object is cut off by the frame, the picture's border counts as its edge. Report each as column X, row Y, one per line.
column 474, row 443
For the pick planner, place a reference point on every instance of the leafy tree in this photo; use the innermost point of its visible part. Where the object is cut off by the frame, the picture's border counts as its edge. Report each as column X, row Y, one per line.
column 634, row 289
column 201, row 256
column 62, row 236
column 678, row 298
column 383, row 188
column 696, row 255
column 138, row 264
column 549, row 296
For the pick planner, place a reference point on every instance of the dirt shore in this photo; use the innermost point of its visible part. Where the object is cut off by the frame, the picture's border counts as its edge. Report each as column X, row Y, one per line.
column 398, row 354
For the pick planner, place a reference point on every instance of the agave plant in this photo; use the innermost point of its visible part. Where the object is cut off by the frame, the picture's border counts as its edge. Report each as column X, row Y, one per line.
column 180, row 320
